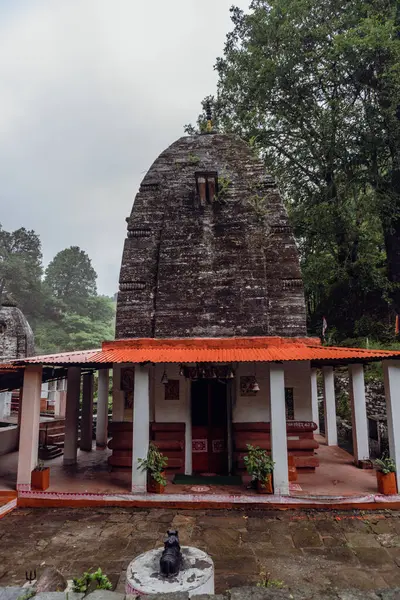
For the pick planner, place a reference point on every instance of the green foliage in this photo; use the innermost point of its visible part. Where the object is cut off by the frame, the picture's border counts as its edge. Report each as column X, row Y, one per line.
column 72, row 279
column 343, row 408
column 21, row 270
column 385, row 465
column 154, row 464
column 194, row 159
column 258, row 463
column 314, row 88
column 64, row 309
column 27, row 596
column 267, row 582
column 81, row 584
column 224, row 184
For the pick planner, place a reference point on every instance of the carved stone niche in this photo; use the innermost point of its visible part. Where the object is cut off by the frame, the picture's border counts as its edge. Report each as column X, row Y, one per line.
column 128, row 286
column 292, row 283
column 139, row 232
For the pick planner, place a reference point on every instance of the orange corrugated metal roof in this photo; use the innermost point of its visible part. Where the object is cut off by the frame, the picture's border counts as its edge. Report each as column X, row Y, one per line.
column 7, row 367
column 216, row 350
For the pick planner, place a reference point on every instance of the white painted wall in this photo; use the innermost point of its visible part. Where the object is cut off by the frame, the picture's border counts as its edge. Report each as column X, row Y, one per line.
column 298, row 377
column 170, row 411
column 5, row 404
column 249, row 409
column 8, row 439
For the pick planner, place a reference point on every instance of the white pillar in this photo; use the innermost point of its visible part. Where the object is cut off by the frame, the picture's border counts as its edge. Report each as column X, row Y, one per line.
column 29, row 431
column 329, row 406
column 278, row 429
column 141, row 420
column 72, row 415
column 391, row 373
column 102, row 409
column 314, row 399
column 118, row 395
column 358, row 413
column 87, row 413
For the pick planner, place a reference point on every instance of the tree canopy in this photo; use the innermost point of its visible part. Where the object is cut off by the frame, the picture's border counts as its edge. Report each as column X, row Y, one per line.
column 63, row 308
column 314, row 87
column 71, row 279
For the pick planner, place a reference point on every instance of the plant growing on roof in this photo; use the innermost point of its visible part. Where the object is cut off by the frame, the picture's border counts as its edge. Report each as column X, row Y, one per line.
column 224, row 184
column 259, row 464
column 194, row 159
column 154, row 464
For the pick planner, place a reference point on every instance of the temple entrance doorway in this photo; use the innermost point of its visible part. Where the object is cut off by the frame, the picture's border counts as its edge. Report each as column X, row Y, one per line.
column 209, row 427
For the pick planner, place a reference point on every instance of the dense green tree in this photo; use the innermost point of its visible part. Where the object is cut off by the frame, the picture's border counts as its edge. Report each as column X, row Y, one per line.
column 21, row 269
column 72, row 279
column 64, row 309
column 314, row 87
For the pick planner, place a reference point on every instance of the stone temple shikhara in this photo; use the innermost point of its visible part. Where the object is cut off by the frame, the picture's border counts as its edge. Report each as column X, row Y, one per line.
column 211, row 351
column 209, row 250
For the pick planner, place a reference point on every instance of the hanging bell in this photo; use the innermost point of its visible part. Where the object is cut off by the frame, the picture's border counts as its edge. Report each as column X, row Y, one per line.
column 164, row 378
column 230, row 375
column 182, row 371
column 254, row 387
column 213, row 374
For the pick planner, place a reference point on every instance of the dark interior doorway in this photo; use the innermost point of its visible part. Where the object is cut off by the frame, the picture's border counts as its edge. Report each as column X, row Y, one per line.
column 209, row 427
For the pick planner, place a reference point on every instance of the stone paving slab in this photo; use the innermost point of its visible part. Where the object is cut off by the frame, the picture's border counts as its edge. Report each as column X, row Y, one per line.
column 308, row 549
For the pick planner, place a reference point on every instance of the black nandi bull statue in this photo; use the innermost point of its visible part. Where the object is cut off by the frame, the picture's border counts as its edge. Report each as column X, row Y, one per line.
column 171, row 558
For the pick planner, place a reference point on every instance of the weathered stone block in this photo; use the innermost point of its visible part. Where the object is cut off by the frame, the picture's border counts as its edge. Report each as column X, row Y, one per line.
column 193, row 268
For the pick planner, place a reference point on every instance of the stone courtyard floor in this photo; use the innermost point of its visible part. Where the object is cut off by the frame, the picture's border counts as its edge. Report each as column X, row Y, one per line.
column 307, row 550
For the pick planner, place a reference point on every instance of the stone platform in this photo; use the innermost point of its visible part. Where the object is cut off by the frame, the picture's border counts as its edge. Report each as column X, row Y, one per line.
column 320, row 550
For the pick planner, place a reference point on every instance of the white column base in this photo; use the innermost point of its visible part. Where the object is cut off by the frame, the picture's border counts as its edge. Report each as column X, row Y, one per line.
column 391, row 373
column 278, row 429
column 141, row 424
column 30, row 421
column 330, row 407
column 314, row 399
column 358, row 413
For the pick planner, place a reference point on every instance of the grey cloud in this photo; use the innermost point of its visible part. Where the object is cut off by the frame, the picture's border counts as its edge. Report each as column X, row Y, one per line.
column 91, row 92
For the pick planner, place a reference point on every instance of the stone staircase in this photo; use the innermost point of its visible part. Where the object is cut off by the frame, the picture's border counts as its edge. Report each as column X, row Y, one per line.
column 51, row 439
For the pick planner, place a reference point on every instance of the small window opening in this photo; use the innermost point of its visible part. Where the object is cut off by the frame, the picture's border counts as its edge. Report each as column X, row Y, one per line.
column 207, row 187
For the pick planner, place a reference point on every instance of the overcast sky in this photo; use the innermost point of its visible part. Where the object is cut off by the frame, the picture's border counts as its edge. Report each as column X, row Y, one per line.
column 91, row 91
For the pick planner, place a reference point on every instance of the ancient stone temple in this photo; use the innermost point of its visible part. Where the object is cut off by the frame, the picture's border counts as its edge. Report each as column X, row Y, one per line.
column 211, row 352
column 16, row 337
column 209, row 251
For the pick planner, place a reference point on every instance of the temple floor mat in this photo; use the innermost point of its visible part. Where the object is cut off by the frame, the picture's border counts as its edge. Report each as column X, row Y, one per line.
column 181, row 479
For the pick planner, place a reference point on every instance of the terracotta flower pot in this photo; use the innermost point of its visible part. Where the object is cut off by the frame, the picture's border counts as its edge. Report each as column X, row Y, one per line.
column 153, row 486
column 40, row 480
column 266, row 486
column 386, row 483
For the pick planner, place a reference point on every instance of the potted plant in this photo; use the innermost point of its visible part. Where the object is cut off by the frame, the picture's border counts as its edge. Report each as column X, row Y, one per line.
column 40, row 477
column 260, row 466
column 154, row 464
column 386, row 475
